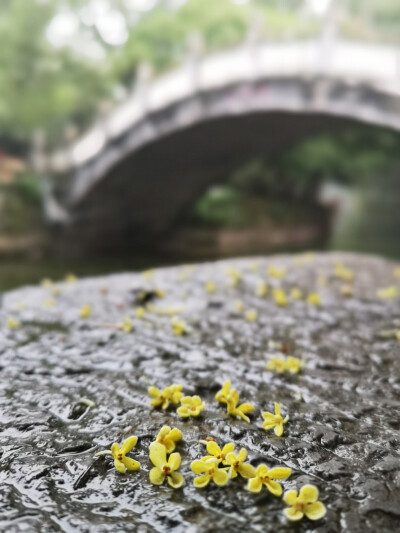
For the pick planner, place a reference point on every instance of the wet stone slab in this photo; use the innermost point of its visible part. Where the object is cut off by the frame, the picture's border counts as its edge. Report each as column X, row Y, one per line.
column 344, row 430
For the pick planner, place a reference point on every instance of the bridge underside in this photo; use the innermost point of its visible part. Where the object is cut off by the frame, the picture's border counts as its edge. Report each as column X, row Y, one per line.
column 142, row 197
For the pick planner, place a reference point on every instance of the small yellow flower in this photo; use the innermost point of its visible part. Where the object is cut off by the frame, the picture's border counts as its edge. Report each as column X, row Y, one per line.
column 388, row 293
column 169, row 437
column 217, row 453
column 13, row 323
column 278, row 273
column 253, row 266
column 210, row 287
column 127, row 325
column 262, row 289
column 70, row 278
column 266, row 477
column 222, row 395
column 305, row 503
column 343, row 273
column 274, row 421
column 251, row 315
column 49, row 303
column 190, row 406
column 238, row 306
column 85, row 311
column 396, row 272
column 140, row 312
column 210, row 471
column 277, row 364
column 280, row 297
column 163, row 468
column 160, row 293
column 346, row 291
column 314, row 298
column 237, row 466
column 148, row 274
column 293, row 364
column 296, row 293
column 171, row 394
column 121, row 462
column 398, row 335
column 238, row 410
column 178, row 326
column 234, row 276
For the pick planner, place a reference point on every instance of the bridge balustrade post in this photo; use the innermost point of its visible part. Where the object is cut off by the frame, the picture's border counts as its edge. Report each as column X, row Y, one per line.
column 196, row 48
column 143, row 81
column 253, row 41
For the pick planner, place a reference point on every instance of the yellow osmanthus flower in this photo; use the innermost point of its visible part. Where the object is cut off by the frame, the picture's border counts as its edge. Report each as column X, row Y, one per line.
column 398, row 335
column 396, row 272
column 210, row 287
column 169, row 437
column 238, row 410
column 304, row 503
column 49, row 284
column 178, row 326
column 314, row 298
column 266, row 477
column 274, row 421
column 163, row 468
column 388, row 293
column 277, row 364
column 160, row 293
column 237, row 466
column 346, row 291
column 238, row 306
column 294, row 364
column 280, row 297
column 280, row 364
column 343, row 273
column 222, row 395
column 296, row 293
column 209, row 471
column 13, row 323
column 217, row 453
column 275, row 272
column 85, row 311
column 171, row 394
column 140, row 312
column 262, row 289
column 50, row 302
column 234, row 276
column 251, row 315
column 190, row 406
column 127, row 325
column 148, row 274
column 70, row 278
column 121, row 462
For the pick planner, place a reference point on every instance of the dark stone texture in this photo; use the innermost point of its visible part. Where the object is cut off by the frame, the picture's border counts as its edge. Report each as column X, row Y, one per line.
column 343, row 434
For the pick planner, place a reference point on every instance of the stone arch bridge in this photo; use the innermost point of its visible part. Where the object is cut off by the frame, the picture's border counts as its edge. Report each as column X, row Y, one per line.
column 139, row 167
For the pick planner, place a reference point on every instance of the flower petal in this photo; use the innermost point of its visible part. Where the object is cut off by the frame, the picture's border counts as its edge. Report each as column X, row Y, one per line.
column 174, row 461
column 119, row 466
column 158, row 454
column 163, row 432
column 199, row 466
column 175, row 480
column 157, row 476
column 279, row 473
column 115, row 450
column 242, row 455
column 201, row 481
column 247, row 471
column 175, row 434
column 228, row 448
column 183, row 412
column 254, row 484
column 131, row 464
column 220, row 477
column 262, row 470
column 279, row 429
column 128, row 445
column 308, row 494
column 270, row 417
column 290, row 497
column 293, row 514
column 154, row 392
column 213, row 448
column 274, row 487
column 269, row 425
column 315, row 511
column 246, row 408
column 277, row 408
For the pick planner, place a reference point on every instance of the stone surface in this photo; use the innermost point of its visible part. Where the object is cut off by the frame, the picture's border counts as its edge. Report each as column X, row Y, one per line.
column 344, row 428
